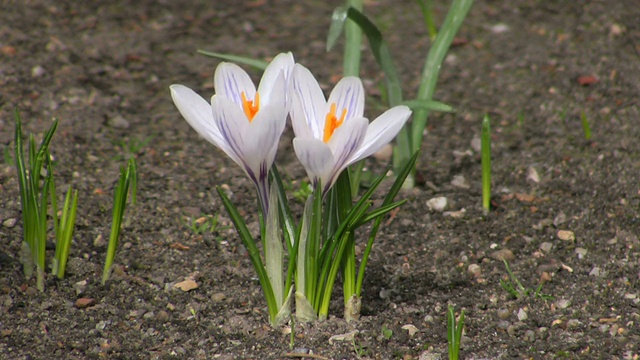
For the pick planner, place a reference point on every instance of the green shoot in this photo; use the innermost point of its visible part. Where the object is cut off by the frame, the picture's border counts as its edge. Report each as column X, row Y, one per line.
column 7, row 156
column 133, row 146
column 410, row 138
column 203, row 224
column 513, row 286
column 34, row 199
column 454, row 332
column 485, row 151
column 426, row 7
column 128, row 180
column 386, row 332
column 585, row 126
column 63, row 229
column 303, row 193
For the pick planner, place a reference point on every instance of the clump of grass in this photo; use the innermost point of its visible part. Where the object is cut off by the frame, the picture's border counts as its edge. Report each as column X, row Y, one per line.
column 35, row 197
column 513, row 286
column 203, row 224
column 127, row 181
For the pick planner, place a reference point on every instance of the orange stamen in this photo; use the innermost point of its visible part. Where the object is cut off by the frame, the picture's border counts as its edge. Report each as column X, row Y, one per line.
column 250, row 107
column 332, row 123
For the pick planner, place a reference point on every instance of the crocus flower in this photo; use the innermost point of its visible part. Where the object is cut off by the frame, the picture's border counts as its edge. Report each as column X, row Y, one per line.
column 243, row 122
column 331, row 135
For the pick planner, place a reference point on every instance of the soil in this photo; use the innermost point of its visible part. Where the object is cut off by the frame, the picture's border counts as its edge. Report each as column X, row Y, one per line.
column 565, row 208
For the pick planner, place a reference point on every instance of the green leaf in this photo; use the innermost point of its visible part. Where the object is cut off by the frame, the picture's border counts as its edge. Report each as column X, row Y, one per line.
column 379, row 48
column 258, row 64
column 254, row 254
column 431, row 105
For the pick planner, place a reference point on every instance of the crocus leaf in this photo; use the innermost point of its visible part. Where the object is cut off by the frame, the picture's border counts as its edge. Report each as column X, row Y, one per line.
column 431, row 105
column 258, row 64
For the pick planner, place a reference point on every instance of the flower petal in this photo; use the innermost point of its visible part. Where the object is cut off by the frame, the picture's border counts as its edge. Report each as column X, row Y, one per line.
column 310, row 105
column 315, row 156
column 231, row 81
column 261, row 139
column 347, row 94
column 232, row 123
column 281, row 64
column 382, row 130
column 197, row 112
column 343, row 144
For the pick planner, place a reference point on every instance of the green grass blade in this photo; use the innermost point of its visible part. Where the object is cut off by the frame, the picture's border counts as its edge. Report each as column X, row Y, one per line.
column 485, row 156
column 119, row 202
column 456, row 15
column 451, row 332
column 388, row 199
column 254, row 253
column 25, row 189
column 258, row 64
column 68, row 225
column 430, row 105
column 353, row 42
column 585, row 126
column 426, row 7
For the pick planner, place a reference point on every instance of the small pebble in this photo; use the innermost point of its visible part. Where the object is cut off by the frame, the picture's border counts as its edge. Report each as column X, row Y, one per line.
column 560, row 219
column 573, row 323
column 582, row 252
column 83, row 303
column 595, row 272
column 218, row 297
column 529, row 336
column 118, row 122
column 546, row 246
column 522, row 315
column 162, row 316
column 99, row 241
column 411, row 329
column 80, row 286
column 566, row 235
column 563, row 303
column 101, row 325
column 532, row 175
column 499, row 28
column 37, row 71
column 503, row 314
column 461, row 182
column 503, row 255
column 455, row 214
column 9, row 223
column 474, row 270
column 186, row 285
column 438, row 204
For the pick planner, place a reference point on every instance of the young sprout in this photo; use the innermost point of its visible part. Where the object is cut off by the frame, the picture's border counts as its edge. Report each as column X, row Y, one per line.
column 63, row 229
column 585, row 126
column 454, row 332
column 485, row 151
column 34, row 199
column 128, row 180
column 513, row 286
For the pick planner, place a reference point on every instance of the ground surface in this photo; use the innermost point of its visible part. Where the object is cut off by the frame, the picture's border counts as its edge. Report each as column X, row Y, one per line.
column 104, row 71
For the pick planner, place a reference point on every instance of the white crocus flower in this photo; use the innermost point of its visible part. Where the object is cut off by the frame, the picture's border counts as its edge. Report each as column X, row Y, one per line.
column 243, row 122
column 331, row 135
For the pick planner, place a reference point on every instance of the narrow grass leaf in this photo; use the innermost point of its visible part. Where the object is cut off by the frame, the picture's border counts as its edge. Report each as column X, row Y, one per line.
column 388, row 199
column 258, row 64
column 254, row 253
column 430, row 105
column 485, row 157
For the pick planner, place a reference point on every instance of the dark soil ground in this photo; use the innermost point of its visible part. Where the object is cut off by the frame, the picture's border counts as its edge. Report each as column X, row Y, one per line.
column 534, row 66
